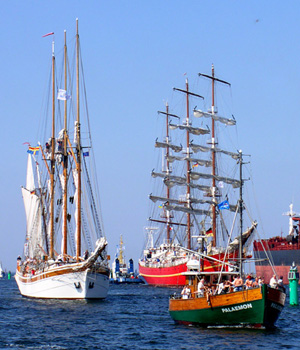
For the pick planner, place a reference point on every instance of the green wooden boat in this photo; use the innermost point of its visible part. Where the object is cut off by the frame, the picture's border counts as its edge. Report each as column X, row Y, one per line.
column 257, row 307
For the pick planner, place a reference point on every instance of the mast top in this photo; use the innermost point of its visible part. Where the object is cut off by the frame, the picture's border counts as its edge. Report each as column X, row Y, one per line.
column 212, row 77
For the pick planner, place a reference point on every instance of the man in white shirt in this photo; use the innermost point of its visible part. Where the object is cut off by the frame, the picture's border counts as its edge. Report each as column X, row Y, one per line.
column 201, row 288
column 273, row 282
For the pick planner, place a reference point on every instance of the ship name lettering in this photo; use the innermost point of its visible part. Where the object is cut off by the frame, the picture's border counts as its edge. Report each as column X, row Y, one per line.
column 275, row 306
column 237, row 308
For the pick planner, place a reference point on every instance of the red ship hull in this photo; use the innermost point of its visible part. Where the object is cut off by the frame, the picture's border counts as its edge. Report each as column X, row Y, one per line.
column 171, row 276
column 164, row 276
column 283, row 254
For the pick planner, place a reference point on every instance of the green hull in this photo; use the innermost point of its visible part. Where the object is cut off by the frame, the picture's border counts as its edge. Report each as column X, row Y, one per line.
column 254, row 313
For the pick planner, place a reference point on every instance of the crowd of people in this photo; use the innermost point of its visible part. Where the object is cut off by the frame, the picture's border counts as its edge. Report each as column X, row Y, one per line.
column 226, row 286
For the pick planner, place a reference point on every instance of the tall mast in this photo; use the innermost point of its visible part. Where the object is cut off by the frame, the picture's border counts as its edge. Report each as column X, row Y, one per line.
column 188, row 167
column 188, row 163
column 213, row 156
column 65, row 161
column 52, row 171
column 168, row 172
column 213, row 142
column 241, row 213
column 78, row 146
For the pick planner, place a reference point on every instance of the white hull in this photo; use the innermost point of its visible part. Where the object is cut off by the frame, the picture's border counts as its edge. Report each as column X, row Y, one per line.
column 69, row 285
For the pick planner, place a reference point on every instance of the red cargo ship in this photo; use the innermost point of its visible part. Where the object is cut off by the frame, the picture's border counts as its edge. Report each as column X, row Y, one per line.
column 282, row 251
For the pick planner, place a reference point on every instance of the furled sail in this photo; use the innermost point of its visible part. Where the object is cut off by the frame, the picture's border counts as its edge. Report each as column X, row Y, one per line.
column 166, row 145
column 200, row 162
column 198, row 114
column 189, row 128
column 171, row 181
column 34, row 239
column 245, row 236
column 165, row 199
column 196, row 176
column 188, row 210
column 155, row 174
column 197, row 148
column 75, row 177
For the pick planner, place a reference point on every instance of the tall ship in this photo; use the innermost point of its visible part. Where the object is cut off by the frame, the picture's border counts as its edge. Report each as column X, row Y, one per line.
column 283, row 251
column 64, row 253
column 191, row 209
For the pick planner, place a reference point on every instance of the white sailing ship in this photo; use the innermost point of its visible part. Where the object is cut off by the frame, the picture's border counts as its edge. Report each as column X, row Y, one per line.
column 65, row 248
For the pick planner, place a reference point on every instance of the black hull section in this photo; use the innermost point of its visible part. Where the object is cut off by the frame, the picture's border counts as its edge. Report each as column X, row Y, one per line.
column 279, row 257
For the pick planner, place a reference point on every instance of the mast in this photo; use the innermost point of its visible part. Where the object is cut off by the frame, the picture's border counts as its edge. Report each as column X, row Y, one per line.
column 214, row 220
column 52, row 161
column 241, row 214
column 213, row 150
column 78, row 149
column 188, row 167
column 65, row 160
column 121, row 257
column 168, row 172
column 188, row 162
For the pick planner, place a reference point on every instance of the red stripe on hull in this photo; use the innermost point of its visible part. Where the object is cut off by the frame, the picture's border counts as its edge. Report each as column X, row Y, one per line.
column 266, row 272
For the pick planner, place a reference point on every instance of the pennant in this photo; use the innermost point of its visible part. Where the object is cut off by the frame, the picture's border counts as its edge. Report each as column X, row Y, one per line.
column 47, row 34
column 33, row 150
column 223, row 205
column 62, row 95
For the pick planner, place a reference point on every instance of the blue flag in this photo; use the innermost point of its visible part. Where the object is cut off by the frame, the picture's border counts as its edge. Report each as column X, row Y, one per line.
column 223, row 205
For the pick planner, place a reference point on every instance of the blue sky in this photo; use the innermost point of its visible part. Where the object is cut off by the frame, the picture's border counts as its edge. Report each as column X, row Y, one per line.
column 134, row 53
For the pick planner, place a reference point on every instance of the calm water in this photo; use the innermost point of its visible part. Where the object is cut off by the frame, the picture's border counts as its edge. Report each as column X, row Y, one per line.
column 132, row 317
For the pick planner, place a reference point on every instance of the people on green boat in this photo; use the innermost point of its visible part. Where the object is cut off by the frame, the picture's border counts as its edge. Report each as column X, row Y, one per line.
column 186, row 292
column 238, row 283
column 273, row 282
column 201, row 288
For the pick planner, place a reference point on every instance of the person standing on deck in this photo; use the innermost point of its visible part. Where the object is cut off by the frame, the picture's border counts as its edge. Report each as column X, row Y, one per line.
column 201, row 288
column 273, row 282
column 238, row 284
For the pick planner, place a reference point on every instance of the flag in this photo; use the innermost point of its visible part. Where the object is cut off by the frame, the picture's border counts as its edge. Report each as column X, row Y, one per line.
column 160, row 206
column 209, row 232
column 86, row 154
column 194, row 165
column 223, row 205
column 221, row 184
column 47, row 34
column 33, row 150
column 62, row 95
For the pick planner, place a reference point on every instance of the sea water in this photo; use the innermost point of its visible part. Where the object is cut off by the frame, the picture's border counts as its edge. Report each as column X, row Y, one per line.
column 131, row 317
